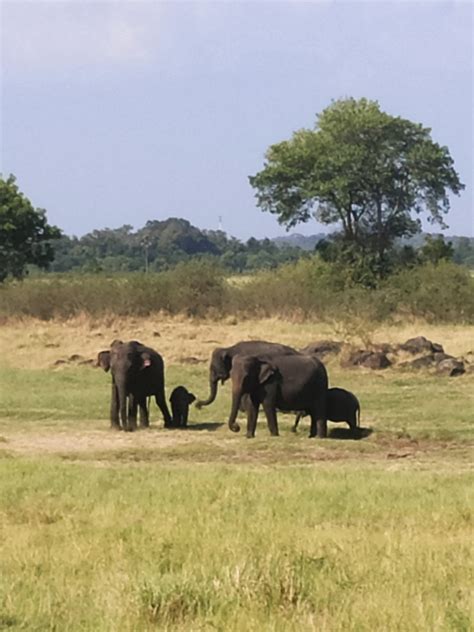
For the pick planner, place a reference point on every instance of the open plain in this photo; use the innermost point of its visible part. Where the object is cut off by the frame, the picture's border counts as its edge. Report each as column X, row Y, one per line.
column 205, row 530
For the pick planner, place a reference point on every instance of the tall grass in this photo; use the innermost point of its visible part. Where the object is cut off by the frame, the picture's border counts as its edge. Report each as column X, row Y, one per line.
column 307, row 289
column 154, row 547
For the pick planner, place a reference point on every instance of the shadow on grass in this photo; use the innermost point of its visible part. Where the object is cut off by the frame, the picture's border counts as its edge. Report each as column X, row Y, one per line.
column 210, row 426
column 346, row 433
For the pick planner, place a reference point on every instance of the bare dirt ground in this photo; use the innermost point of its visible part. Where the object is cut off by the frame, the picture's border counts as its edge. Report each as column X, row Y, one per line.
column 217, row 445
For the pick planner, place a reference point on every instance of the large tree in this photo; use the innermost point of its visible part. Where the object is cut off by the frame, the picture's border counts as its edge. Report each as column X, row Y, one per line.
column 25, row 235
column 368, row 171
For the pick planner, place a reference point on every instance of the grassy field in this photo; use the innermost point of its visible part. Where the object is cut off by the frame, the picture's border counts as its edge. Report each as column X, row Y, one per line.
column 205, row 530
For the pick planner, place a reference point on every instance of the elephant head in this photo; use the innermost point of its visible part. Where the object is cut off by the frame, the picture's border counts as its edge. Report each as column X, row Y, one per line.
column 219, row 369
column 249, row 374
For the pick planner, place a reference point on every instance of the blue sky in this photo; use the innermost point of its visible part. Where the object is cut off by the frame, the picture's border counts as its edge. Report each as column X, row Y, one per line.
column 118, row 112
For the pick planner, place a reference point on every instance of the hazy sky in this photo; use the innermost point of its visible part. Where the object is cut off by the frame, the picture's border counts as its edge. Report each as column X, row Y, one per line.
column 118, row 112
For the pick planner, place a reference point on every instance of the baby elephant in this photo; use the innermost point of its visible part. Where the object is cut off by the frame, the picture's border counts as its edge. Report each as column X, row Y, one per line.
column 342, row 405
column 180, row 400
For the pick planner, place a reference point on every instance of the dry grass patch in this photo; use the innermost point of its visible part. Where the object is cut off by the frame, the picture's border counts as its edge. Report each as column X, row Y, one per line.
column 38, row 344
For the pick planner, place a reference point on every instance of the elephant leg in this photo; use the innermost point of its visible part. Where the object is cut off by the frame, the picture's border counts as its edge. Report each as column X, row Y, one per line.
column 353, row 426
column 252, row 407
column 144, row 420
column 162, row 405
column 297, row 421
column 184, row 418
column 270, row 412
column 114, row 409
column 319, row 427
column 132, row 413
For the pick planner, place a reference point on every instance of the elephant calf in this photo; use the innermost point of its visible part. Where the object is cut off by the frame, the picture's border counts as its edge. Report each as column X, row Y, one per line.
column 180, row 400
column 342, row 405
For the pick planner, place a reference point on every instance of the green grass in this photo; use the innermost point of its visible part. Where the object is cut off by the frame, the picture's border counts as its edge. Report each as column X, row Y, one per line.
column 220, row 547
column 206, row 530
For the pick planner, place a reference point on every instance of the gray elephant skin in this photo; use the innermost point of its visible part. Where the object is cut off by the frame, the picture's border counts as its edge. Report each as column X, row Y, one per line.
column 222, row 359
column 342, row 405
column 137, row 373
column 293, row 382
column 180, row 399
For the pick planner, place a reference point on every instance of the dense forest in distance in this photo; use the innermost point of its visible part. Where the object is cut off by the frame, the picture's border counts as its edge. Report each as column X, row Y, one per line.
column 160, row 245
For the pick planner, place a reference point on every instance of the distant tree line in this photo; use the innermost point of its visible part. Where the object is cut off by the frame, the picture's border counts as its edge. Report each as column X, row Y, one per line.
column 160, row 245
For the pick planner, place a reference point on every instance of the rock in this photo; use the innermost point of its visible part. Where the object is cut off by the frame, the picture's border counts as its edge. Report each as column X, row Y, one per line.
column 156, row 334
column 424, row 362
column 89, row 362
column 419, row 345
column 368, row 359
column 60, row 362
column 322, row 348
column 75, row 357
column 450, row 367
column 376, row 360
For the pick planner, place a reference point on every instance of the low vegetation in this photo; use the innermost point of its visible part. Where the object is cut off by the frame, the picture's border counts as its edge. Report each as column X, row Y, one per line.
column 308, row 289
column 203, row 529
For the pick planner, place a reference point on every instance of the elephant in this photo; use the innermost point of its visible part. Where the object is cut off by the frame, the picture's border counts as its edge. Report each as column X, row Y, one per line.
column 342, row 405
column 293, row 382
column 180, row 400
column 222, row 359
column 137, row 372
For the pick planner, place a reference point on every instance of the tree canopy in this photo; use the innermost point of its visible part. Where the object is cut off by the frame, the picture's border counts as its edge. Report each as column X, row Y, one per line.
column 368, row 171
column 25, row 235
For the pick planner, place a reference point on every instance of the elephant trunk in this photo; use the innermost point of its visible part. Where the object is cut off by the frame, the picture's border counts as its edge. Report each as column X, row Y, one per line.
column 122, row 400
column 212, row 396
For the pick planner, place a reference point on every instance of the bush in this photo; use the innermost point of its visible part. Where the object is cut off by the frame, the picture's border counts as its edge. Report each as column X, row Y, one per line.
column 308, row 289
column 191, row 288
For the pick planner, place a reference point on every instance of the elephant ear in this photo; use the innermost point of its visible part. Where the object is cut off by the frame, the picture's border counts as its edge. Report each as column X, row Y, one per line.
column 103, row 360
column 265, row 372
column 221, row 363
column 146, row 359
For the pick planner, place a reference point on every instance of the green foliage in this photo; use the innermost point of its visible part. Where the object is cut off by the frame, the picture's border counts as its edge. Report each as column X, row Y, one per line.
column 364, row 169
column 190, row 288
column 160, row 245
column 435, row 249
column 25, row 235
column 309, row 288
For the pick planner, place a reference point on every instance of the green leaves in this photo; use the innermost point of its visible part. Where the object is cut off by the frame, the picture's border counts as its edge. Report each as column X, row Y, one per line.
column 363, row 169
column 25, row 234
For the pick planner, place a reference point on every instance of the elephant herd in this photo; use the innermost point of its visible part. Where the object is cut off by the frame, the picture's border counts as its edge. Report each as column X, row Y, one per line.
column 274, row 376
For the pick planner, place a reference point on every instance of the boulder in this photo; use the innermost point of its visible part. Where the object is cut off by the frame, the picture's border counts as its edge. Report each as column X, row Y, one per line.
column 450, row 367
column 368, row 359
column 322, row 348
column 421, row 344
column 425, row 362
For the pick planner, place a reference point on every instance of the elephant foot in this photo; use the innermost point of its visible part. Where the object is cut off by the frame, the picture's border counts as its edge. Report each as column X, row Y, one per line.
column 115, row 427
column 249, row 435
column 235, row 428
column 293, row 429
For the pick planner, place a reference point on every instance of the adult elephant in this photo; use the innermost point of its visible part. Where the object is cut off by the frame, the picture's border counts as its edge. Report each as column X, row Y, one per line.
column 223, row 357
column 292, row 382
column 137, row 373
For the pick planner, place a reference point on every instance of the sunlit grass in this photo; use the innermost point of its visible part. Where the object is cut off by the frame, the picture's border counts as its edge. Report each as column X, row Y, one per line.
column 206, row 530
